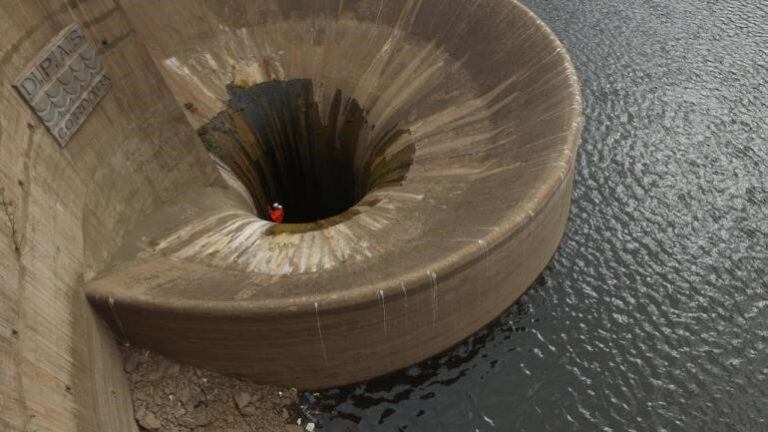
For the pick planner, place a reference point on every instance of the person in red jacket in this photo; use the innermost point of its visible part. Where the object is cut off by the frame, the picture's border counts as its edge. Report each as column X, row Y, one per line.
column 276, row 213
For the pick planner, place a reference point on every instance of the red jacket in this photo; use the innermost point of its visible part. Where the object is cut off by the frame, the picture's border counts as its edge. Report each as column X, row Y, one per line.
column 277, row 215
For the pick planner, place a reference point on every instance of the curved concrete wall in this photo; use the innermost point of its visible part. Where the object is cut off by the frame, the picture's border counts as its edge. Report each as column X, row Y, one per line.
column 69, row 210
column 59, row 367
column 492, row 105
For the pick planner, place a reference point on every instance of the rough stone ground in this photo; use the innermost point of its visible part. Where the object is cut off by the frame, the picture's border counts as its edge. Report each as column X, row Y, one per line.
column 169, row 397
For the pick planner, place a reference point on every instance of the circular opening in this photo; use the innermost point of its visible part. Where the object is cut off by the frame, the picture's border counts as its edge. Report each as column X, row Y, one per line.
column 274, row 140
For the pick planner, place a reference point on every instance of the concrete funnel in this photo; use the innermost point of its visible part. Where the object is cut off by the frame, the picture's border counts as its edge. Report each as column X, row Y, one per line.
column 423, row 151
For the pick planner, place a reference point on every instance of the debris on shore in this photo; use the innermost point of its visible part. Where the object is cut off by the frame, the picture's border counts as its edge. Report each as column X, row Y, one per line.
column 169, row 397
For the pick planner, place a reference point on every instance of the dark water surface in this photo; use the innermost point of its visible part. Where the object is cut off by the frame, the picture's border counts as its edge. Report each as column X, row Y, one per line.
column 653, row 315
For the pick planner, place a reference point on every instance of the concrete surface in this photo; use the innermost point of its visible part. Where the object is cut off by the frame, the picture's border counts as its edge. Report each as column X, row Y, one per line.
column 175, row 259
column 491, row 104
column 60, row 369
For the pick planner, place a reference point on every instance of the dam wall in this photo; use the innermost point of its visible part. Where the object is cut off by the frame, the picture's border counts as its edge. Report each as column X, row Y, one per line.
column 65, row 211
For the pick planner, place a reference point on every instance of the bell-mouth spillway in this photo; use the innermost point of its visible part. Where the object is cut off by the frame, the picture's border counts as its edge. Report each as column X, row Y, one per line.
column 425, row 166
column 272, row 137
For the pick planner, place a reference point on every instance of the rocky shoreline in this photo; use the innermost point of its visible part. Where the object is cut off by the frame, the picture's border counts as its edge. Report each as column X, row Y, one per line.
column 169, row 397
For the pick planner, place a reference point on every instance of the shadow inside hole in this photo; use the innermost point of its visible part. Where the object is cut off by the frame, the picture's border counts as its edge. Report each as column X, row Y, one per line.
column 273, row 139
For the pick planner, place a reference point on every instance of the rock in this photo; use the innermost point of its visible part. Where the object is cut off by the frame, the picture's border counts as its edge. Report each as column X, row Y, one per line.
column 249, row 410
column 194, row 419
column 242, row 399
column 203, row 420
column 195, row 398
column 132, row 362
column 186, row 399
column 184, row 394
column 310, row 427
column 149, row 421
column 156, row 375
column 140, row 412
column 172, row 370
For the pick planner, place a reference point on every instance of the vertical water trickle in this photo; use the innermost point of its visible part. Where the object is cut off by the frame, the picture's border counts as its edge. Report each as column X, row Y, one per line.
column 320, row 334
column 405, row 295
column 486, row 255
column 383, row 310
column 433, row 279
column 117, row 318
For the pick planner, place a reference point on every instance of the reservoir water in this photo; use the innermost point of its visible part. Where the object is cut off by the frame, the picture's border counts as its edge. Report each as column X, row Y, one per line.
column 653, row 315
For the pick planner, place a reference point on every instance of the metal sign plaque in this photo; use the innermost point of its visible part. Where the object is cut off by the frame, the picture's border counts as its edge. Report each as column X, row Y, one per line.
column 64, row 82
